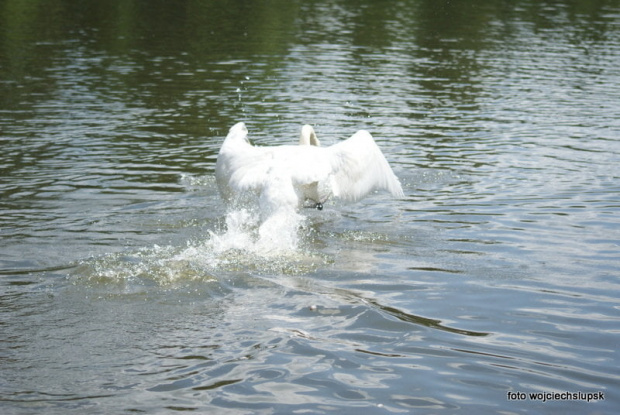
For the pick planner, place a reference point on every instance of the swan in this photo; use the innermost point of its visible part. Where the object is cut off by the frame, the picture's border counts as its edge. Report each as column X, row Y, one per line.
column 308, row 136
column 291, row 176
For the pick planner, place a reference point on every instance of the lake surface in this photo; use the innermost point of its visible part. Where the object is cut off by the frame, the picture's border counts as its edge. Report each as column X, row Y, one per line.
column 127, row 286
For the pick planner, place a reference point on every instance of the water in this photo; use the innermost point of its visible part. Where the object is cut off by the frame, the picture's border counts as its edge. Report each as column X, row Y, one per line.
column 127, row 286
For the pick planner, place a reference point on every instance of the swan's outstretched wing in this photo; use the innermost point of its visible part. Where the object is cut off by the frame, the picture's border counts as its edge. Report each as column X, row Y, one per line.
column 348, row 170
column 359, row 167
column 243, row 168
column 240, row 167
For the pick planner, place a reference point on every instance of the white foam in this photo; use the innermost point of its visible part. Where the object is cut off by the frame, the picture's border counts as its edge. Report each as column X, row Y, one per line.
column 277, row 235
column 270, row 246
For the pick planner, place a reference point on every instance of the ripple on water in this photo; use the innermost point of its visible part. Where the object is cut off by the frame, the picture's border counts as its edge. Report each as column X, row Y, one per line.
column 239, row 247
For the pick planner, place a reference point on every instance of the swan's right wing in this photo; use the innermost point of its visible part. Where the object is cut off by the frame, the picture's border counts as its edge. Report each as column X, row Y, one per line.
column 359, row 167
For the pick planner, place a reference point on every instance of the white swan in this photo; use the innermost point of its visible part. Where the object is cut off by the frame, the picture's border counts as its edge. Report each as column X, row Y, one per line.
column 289, row 176
column 308, row 136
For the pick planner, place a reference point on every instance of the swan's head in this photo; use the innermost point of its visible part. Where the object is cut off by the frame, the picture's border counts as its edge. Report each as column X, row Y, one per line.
column 238, row 132
column 308, row 136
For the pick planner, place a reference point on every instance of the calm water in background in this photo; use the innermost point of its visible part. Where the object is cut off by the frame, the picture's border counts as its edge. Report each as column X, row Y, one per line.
column 499, row 271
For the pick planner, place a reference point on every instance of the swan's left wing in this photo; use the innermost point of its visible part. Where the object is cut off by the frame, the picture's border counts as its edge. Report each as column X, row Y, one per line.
column 359, row 167
column 240, row 167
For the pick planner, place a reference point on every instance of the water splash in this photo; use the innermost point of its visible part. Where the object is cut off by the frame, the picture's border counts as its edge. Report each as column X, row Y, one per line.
column 276, row 235
column 163, row 265
column 275, row 244
column 246, row 243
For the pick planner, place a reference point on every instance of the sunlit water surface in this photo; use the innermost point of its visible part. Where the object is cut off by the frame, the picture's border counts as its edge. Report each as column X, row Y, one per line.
column 127, row 286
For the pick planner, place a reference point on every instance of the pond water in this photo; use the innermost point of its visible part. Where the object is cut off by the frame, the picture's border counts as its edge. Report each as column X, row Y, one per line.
column 127, row 286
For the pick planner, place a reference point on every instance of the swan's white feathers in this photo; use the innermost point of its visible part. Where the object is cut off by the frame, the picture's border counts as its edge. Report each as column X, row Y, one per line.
column 308, row 136
column 359, row 167
column 291, row 174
